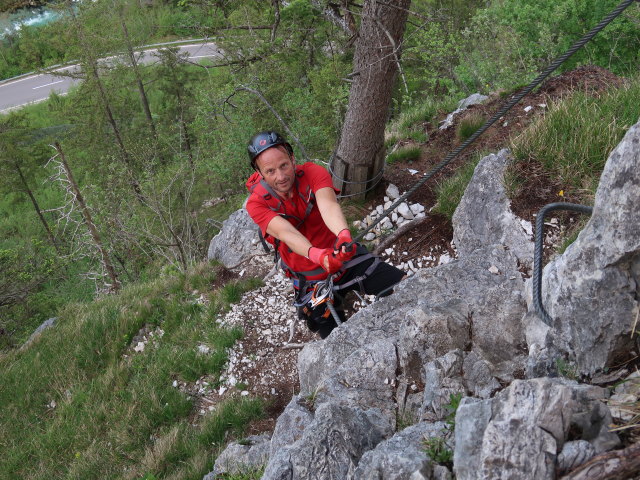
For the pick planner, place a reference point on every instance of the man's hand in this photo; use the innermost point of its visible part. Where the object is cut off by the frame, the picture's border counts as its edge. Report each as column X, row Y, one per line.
column 325, row 258
column 344, row 248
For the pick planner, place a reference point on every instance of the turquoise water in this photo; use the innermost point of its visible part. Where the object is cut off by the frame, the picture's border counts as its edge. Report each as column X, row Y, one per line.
column 13, row 22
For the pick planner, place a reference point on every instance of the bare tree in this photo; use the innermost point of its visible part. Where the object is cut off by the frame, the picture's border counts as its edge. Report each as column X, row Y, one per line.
column 76, row 201
column 359, row 157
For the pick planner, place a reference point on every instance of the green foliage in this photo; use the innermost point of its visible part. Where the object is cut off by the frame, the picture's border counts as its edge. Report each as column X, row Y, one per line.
column 449, row 191
column 566, row 369
column 247, row 474
column 438, row 450
column 452, row 408
column 404, row 154
column 510, row 41
column 436, row 447
column 572, row 141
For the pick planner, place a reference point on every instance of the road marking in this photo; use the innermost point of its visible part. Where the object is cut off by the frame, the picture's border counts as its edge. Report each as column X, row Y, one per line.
column 33, row 102
column 203, row 56
column 47, row 84
column 31, row 77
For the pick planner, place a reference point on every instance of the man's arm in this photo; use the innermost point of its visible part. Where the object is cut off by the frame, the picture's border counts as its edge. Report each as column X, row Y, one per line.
column 285, row 232
column 330, row 210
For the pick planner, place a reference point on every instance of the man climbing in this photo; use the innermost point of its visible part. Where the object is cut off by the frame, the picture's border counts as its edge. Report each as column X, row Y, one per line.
column 297, row 211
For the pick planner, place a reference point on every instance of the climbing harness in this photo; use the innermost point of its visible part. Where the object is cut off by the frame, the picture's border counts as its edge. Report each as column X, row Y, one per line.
column 537, row 253
column 508, row 106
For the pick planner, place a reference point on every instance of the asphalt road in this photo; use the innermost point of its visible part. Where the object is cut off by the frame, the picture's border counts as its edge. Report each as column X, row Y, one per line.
column 36, row 88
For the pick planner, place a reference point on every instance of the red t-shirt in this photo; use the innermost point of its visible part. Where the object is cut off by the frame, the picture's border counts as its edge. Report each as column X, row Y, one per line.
column 313, row 228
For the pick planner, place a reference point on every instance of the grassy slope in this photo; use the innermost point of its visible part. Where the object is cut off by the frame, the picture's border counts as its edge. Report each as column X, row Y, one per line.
column 80, row 403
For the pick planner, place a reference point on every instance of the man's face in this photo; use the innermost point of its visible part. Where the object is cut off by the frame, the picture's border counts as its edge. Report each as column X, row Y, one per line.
column 277, row 169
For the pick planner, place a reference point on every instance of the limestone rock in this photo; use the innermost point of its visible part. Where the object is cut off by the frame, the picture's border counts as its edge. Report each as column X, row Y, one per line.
column 484, row 215
column 240, row 457
column 401, row 457
column 291, row 424
column 442, row 379
column 591, row 290
column 574, row 454
column 392, row 192
column 462, row 105
column 331, row 445
column 517, row 433
column 237, row 242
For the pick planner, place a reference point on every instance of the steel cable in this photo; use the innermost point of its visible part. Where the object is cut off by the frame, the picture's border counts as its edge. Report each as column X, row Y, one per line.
column 537, row 253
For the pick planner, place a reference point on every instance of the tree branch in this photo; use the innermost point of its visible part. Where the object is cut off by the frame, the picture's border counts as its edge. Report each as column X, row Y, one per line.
column 277, row 115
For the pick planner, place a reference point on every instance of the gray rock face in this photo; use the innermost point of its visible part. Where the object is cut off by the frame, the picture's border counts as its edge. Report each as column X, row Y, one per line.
column 484, row 215
column 591, row 290
column 574, row 454
column 364, row 378
column 291, row 424
column 456, row 373
column 237, row 242
column 331, row 445
column 518, row 433
column 460, row 305
column 401, row 457
column 241, row 457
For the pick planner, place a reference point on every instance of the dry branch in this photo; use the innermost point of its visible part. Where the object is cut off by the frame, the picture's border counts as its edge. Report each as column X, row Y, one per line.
column 615, row 465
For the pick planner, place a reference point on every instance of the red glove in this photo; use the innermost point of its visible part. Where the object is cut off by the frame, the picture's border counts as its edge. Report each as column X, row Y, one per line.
column 318, row 255
column 344, row 248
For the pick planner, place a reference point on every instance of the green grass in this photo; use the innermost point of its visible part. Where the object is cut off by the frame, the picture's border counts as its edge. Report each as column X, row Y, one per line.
column 468, row 126
column 573, row 140
column 449, row 191
column 80, row 403
column 404, row 154
column 411, row 123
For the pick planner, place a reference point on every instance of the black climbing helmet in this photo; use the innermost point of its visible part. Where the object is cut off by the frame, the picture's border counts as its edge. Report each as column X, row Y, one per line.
column 264, row 140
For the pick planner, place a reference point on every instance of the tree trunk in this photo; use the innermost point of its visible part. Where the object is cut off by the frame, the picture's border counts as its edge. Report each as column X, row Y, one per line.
column 36, row 206
column 360, row 154
column 88, row 221
column 136, row 71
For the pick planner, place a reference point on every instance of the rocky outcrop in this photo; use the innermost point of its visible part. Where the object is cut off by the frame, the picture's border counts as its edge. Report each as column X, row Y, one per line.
column 462, row 106
column 519, row 432
column 403, row 456
column 251, row 454
column 331, row 445
column 484, row 216
column 237, row 242
column 461, row 333
column 592, row 290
